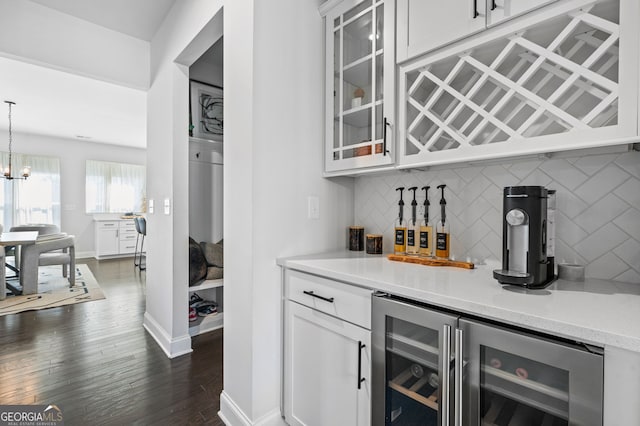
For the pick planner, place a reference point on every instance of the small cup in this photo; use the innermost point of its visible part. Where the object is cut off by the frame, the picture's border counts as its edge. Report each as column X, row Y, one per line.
column 571, row 272
column 374, row 244
column 356, row 238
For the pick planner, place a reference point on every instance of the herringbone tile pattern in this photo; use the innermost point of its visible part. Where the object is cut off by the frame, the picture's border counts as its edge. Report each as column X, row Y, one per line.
column 598, row 208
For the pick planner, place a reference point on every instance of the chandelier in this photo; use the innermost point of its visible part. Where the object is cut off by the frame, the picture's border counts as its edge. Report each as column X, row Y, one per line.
column 7, row 171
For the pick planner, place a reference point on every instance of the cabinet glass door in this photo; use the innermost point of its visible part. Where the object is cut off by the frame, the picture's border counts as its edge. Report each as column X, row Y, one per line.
column 410, row 371
column 516, row 379
column 358, row 115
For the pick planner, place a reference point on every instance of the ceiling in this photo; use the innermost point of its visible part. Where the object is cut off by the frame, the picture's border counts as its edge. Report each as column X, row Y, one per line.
column 137, row 18
column 62, row 104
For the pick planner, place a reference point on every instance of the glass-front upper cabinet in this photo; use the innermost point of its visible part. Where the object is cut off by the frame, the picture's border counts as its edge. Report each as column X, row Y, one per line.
column 360, row 85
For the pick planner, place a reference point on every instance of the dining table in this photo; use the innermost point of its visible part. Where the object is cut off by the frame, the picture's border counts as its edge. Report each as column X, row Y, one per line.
column 17, row 239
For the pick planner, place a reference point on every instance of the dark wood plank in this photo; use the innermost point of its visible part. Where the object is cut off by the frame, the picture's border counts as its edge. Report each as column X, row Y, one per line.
column 97, row 363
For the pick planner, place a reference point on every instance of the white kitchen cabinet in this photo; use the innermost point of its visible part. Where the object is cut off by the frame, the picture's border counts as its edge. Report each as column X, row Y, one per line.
column 127, row 236
column 107, row 242
column 501, row 10
column 360, row 83
column 327, row 358
column 424, row 25
column 560, row 79
column 115, row 238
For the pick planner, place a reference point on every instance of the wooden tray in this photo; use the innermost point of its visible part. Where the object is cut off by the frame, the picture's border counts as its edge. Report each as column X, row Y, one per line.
column 430, row 261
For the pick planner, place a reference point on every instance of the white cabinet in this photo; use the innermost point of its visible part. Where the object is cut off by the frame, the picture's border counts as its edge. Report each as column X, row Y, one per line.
column 360, row 81
column 127, row 236
column 115, row 238
column 327, row 352
column 501, row 10
column 107, row 243
column 563, row 78
column 424, row 25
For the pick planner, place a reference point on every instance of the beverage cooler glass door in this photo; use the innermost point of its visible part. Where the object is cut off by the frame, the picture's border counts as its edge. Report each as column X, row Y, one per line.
column 412, row 374
column 516, row 379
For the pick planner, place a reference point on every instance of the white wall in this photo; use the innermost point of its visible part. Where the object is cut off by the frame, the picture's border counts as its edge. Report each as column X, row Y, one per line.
column 207, row 73
column 597, row 218
column 40, row 35
column 273, row 161
column 166, row 316
column 73, row 155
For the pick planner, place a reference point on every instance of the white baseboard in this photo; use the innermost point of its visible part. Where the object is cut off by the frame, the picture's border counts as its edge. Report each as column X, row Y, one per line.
column 232, row 415
column 172, row 347
column 85, row 254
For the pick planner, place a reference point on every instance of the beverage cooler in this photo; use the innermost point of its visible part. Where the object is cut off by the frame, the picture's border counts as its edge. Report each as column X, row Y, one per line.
column 438, row 368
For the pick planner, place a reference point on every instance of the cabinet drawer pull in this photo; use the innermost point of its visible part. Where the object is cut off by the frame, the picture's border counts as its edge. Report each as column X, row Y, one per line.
column 475, row 9
column 493, row 5
column 312, row 294
column 361, row 346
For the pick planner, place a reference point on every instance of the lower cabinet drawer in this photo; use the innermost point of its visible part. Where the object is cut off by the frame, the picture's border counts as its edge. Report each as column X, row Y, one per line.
column 127, row 247
column 341, row 300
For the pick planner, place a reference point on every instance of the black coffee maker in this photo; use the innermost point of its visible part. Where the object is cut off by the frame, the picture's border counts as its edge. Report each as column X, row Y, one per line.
column 524, row 238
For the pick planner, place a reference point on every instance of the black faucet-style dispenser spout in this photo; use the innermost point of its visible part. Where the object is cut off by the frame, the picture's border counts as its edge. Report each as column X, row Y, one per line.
column 414, row 205
column 400, row 204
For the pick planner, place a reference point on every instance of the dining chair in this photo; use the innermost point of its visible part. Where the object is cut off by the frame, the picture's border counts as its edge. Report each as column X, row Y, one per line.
column 41, row 228
column 51, row 249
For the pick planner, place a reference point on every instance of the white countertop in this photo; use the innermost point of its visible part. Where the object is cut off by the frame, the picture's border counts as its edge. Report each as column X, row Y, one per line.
column 604, row 313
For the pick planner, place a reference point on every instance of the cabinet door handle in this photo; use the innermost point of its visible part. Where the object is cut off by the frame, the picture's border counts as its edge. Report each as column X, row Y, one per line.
column 493, row 5
column 475, row 9
column 445, row 366
column 361, row 346
column 384, row 136
column 312, row 294
column 458, row 378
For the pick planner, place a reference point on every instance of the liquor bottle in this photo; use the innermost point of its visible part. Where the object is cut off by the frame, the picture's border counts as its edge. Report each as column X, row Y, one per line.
column 413, row 228
column 442, row 229
column 426, row 230
column 400, row 238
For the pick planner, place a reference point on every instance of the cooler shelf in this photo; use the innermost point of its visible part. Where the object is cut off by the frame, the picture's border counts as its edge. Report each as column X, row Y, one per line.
column 417, row 389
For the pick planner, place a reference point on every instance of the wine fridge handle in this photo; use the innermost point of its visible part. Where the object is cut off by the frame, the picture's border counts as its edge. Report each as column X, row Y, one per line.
column 445, row 374
column 458, row 377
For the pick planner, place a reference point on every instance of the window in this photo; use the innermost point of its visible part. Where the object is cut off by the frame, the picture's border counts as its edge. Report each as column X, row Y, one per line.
column 36, row 200
column 115, row 187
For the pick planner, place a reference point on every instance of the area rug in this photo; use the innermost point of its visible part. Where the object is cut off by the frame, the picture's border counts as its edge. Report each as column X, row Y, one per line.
column 54, row 291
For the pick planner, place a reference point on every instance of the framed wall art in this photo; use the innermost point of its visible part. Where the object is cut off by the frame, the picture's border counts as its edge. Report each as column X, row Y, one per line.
column 206, row 120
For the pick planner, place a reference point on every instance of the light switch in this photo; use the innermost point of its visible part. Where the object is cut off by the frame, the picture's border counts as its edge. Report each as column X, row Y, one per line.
column 167, row 206
column 313, row 207
column 150, row 205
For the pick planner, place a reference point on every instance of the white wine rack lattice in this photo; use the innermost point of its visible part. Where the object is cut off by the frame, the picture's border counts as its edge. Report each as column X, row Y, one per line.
column 553, row 78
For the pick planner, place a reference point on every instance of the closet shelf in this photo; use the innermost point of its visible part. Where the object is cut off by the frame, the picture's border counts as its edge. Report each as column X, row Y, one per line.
column 206, row 285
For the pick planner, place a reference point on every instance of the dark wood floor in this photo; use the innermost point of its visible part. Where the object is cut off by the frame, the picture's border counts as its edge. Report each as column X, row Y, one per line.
column 96, row 362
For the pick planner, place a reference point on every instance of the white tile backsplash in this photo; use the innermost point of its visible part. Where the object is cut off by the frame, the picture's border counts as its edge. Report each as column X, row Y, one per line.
column 603, row 182
column 598, row 208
